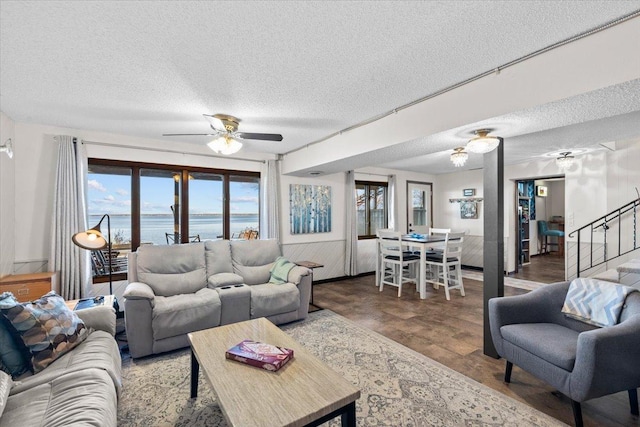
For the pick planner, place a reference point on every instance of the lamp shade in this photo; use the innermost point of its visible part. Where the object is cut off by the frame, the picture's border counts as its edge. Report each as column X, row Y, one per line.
column 91, row 239
column 482, row 143
column 459, row 157
column 225, row 144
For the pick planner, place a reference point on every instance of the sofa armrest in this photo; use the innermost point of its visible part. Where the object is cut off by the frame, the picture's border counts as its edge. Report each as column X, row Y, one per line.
column 101, row 318
column 607, row 360
column 139, row 290
column 297, row 273
column 138, row 315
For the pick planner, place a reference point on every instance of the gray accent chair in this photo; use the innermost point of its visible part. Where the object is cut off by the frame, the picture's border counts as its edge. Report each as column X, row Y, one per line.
column 177, row 289
column 582, row 361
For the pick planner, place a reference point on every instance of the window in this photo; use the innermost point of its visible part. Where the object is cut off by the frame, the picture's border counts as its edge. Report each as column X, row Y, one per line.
column 163, row 204
column 371, row 208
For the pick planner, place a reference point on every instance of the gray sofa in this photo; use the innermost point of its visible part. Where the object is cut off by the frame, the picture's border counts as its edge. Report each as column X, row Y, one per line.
column 79, row 388
column 177, row 289
column 582, row 361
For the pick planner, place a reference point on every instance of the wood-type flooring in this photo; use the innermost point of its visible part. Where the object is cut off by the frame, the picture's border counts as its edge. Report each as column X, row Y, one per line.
column 450, row 332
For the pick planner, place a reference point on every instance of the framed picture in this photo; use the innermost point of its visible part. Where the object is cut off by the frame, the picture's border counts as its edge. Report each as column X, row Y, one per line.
column 468, row 210
column 310, row 208
column 541, row 191
column 468, row 192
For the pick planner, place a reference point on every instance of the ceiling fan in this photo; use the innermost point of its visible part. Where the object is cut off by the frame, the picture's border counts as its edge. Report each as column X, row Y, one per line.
column 225, row 129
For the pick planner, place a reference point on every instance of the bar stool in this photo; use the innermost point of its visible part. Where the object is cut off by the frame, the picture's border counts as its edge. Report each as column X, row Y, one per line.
column 543, row 236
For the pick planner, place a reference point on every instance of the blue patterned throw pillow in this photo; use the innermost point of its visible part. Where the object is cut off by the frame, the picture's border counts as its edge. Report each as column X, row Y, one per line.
column 596, row 302
column 47, row 327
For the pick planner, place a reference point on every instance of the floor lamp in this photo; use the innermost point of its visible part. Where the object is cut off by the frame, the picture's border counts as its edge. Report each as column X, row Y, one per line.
column 93, row 240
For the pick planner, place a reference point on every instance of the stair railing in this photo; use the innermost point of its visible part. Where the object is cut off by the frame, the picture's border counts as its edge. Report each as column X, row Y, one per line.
column 625, row 218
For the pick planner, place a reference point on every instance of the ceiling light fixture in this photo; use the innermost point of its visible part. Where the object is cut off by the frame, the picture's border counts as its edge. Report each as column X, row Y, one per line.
column 7, row 148
column 225, row 144
column 459, row 157
column 565, row 161
column 482, row 143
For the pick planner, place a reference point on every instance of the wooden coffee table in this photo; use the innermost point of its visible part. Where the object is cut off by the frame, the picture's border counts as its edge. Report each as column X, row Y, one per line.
column 304, row 392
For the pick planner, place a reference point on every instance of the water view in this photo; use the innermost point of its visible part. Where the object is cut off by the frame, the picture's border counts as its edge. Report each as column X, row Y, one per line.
column 153, row 228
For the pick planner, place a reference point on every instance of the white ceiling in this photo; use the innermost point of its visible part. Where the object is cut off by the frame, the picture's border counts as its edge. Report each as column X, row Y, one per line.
column 305, row 70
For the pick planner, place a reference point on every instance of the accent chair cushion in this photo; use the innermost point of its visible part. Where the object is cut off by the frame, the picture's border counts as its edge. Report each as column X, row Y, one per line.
column 172, row 269
column 47, row 327
column 554, row 343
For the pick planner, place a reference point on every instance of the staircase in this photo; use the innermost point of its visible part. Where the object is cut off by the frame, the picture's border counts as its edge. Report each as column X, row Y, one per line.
column 626, row 274
column 605, row 248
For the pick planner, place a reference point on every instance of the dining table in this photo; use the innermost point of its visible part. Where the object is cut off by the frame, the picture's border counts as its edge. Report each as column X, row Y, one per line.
column 424, row 242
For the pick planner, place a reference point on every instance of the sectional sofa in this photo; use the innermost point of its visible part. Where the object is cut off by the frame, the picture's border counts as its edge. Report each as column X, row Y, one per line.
column 79, row 388
column 177, row 289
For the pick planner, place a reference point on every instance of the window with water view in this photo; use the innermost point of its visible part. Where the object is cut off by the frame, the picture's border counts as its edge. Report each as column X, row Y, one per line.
column 161, row 205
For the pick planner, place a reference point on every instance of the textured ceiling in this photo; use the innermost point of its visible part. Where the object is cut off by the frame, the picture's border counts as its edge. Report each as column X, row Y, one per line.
column 302, row 69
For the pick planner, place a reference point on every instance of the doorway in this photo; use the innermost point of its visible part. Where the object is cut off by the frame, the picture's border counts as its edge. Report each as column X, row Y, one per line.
column 539, row 200
column 419, row 203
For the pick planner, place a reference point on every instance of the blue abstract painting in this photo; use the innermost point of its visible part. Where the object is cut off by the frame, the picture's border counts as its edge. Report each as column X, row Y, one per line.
column 310, row 208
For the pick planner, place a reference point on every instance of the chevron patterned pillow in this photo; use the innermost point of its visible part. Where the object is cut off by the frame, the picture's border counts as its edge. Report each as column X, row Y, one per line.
column 596, row 302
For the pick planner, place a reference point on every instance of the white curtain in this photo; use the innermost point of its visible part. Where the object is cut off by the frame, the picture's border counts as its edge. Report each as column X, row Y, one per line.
column 270, row 203
column 70, row 217
column 393, row 202
column 351, row 252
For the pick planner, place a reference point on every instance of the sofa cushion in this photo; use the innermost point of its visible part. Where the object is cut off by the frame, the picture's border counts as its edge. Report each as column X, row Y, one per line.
column 553, row 343
column 181, row 314
column 253, row 259
column 99, row 351
column 47, row 327
column 86, row 398
column 224, row 279
column 270, row 299
column 174, row 269
column 218, row 256
column 5, row 388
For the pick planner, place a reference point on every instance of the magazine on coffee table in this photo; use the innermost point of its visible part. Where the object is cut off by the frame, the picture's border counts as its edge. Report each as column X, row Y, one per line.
column 261, row 355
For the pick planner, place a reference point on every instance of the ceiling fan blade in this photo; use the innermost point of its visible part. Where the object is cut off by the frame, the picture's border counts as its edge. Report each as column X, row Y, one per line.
column 260, row 136
column 189, row 134
column 215, row 122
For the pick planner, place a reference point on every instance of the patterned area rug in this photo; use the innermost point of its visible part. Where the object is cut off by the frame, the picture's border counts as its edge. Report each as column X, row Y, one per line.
column 399, row 386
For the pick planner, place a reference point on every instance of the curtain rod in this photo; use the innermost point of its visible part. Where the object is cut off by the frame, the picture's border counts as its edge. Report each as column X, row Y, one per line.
column 166, row 150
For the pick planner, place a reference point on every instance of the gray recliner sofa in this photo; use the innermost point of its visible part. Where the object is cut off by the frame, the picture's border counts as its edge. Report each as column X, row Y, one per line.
column 177, row 289
column 580, row 360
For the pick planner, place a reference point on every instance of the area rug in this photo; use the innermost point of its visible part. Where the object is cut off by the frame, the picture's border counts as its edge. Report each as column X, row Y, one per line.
column 508, row 281
column 399, row 386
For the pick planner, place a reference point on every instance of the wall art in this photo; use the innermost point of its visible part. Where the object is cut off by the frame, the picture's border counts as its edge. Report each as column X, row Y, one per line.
column 310, row 208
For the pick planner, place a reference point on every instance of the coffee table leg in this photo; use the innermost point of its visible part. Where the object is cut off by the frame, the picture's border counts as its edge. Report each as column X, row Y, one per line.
column 348, row 418
column 195, row 370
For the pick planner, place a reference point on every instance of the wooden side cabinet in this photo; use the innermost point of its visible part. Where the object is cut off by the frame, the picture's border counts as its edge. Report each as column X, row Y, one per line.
column 28, row 287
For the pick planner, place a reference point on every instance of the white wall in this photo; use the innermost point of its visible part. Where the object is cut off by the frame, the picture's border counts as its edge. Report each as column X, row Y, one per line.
column 35, row 165
column 7, row 198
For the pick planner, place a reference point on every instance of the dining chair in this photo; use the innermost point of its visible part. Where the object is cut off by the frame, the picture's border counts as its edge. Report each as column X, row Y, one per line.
column 447, row 266
column 395, row 263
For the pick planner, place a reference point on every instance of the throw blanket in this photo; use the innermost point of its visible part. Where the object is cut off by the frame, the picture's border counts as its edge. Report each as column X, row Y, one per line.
column 595, row 301
column 280, row 271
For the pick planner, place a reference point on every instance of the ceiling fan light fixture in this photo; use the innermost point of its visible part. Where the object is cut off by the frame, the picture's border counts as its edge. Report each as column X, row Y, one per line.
column 459, row 157
column 482, row 142
column 565, row 161
column 225, row 144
